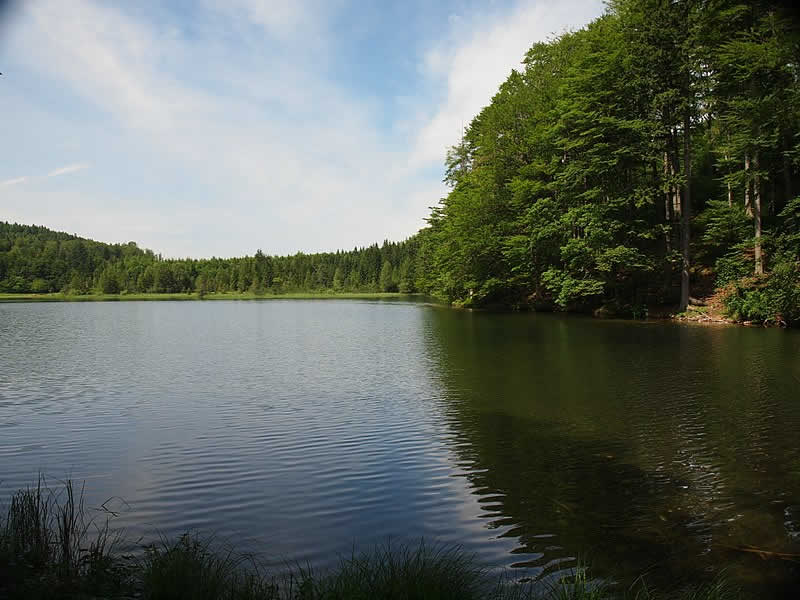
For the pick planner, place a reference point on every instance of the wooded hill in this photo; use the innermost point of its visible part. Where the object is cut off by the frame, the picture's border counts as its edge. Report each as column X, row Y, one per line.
column 651, row 156
column 37, row 259
column 647, row 157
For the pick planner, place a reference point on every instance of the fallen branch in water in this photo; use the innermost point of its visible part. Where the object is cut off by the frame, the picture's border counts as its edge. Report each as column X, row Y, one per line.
column 765, row 554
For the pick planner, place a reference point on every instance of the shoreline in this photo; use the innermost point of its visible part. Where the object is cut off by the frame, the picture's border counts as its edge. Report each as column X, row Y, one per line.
column 182, row 297
column 696, row 315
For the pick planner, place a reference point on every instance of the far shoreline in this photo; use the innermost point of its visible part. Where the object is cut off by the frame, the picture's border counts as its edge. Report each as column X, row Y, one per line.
column 694, row 316
column 188, row 296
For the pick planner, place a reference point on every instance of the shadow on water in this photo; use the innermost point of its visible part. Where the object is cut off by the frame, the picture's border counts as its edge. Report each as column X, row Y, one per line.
column 651, row 449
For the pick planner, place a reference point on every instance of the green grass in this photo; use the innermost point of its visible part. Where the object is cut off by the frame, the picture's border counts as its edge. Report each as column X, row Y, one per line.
column 49, row 548
column 60, row 297
column 194, row 569
column 424, row 571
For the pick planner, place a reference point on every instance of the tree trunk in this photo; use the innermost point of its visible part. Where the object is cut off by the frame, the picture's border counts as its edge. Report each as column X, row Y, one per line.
column 730, row 189
column 667, row 192
column 787, row 177
column 667, row 227
column 748, row 206
column 686, row 210
column 771, row 210
column 757, row 217
column 667, row 207
column 675, row 167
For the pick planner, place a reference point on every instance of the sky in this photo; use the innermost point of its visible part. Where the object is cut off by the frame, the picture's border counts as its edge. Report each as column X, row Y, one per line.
column 217, row 127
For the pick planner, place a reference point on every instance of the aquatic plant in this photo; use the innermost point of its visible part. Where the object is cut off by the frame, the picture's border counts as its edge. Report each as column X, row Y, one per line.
column 51, row 547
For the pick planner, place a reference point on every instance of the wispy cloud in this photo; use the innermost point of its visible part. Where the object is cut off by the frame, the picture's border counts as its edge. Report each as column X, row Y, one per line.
column 14, row 181
column 475, row 58
column 244, row 120
column 67, row 169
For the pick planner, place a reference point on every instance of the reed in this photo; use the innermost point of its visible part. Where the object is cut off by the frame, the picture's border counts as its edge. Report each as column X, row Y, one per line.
column 50, row 547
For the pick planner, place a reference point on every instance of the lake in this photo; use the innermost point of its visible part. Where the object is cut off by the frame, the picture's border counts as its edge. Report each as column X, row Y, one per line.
column 305, row 429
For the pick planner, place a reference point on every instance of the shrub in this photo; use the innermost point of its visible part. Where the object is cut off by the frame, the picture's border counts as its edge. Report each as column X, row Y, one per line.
column 40, row 286
column 774, row 298
column 732, row 268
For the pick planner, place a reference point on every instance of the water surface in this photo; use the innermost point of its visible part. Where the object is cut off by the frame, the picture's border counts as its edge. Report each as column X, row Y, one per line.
column 303, row 429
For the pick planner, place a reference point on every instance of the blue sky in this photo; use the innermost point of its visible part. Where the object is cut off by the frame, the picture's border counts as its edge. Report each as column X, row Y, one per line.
column 216, row 127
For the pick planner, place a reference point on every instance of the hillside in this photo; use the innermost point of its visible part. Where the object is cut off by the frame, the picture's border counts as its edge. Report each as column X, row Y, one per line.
column 38, row 260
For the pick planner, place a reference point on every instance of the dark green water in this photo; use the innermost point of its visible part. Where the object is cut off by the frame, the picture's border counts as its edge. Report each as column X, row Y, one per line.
column 303, row 428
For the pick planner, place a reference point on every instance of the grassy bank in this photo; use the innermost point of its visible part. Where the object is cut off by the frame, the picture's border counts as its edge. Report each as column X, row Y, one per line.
column 61, row 297
column 51, row 548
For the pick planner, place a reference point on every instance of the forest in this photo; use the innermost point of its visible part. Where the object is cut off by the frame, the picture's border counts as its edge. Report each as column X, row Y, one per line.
column 644, row 160
column 37, row 260
column 650, row 159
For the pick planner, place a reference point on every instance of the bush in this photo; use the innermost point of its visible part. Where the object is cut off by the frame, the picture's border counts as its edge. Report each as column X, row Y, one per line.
column 771, row 299
column 14, row 285
column 109, row 281
column 732, row 268
column 40, row 286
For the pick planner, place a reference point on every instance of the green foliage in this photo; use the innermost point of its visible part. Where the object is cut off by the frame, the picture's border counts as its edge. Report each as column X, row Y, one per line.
column 50, row 549
column 387, row 280
column 338, row 280
column 774, row 299
column 579, row 586
column 109, row 281
column 38, row 260
column 568, row 291
column 191, row 569
column 40, row 286
column 788, row 238
column 568, row 189
column 402, row 572
column 732, row 268
column 724, row 227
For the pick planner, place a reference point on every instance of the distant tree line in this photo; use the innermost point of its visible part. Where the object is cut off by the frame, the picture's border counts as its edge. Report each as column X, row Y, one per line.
column 39, row 260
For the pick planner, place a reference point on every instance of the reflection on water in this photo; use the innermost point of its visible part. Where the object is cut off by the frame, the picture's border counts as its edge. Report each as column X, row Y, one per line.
column 644, row 447
column 304, row 428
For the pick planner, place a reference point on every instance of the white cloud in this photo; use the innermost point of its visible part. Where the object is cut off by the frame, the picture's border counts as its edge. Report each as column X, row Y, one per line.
column 474, row 68
column 227, row 133
column 67, row 169
column 282, row 19
column 104, row 56
column 14, row 181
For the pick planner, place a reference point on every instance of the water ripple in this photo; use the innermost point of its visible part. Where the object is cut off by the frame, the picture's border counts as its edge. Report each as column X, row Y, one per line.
column 308, row 427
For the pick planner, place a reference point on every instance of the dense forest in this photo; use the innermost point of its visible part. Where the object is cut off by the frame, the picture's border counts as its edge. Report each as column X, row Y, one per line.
column 642, row 160
column 36, row 259
column 647, row 159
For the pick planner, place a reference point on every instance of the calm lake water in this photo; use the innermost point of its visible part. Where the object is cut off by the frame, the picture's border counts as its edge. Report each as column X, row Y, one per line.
column 303, row 429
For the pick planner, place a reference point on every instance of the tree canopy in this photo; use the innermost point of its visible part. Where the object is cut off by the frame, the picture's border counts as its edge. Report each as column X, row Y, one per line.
column 36, row 259
column 650, row 154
